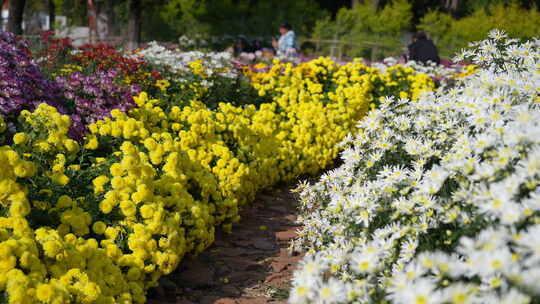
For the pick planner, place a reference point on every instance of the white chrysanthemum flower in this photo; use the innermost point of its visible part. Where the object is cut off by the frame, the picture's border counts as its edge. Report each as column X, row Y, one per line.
column 301, row 293
column 420, row 291
column 365, row 260
column 332, row 292
column 460, row 293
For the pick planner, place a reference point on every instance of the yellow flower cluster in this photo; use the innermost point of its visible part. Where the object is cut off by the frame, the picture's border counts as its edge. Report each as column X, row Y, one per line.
column 47, row 251
column 101, row 222
column 197, row 67
column 322, row 78
column 162, row 84
column 50, row 130
column 68, row 69
column 3, row 125
column 468, row 70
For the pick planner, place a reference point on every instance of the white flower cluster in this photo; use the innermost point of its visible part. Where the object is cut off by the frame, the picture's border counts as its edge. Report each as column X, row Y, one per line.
column 437, row 201
column 176, row 61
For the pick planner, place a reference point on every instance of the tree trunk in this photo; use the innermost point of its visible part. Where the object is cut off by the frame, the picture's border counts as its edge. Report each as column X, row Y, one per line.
column 354, row 3
column 92, row 21
column 15, row 19
column 52, row 14
column 455, row 5
column 111, row 26
column 451, row 5
column 134, row 25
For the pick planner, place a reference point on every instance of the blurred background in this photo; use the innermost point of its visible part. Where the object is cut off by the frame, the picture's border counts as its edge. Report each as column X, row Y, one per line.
column 372, row 29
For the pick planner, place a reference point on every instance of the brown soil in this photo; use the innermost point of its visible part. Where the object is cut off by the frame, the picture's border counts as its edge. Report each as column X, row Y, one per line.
column 251, row 265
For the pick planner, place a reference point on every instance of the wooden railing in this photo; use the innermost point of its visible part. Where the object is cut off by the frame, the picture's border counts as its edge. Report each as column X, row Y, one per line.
column 113, row 40
column 337, row 46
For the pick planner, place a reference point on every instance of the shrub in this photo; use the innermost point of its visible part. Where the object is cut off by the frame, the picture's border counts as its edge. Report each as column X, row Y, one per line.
column 452, row 35
column 366, row 23
column 208, row 77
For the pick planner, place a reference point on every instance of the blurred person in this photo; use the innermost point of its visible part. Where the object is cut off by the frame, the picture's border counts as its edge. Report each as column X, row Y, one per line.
column 286, row 45
column 256, row 45
column 241, row 45
column 423, row 49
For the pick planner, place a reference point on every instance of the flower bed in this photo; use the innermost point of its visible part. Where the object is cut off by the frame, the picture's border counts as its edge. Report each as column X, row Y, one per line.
column 100, row 220
column 22, row 86
column 437, row 200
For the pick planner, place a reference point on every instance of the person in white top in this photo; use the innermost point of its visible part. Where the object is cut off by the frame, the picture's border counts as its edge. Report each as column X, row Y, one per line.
column 286, row 45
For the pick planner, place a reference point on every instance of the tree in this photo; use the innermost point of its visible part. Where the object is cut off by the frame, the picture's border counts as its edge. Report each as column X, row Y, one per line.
column 16, row 12
column 111, row 27
column 51, row 7
column 184, row 16
column 92, row 21
column 366, row 25
column 134, row 24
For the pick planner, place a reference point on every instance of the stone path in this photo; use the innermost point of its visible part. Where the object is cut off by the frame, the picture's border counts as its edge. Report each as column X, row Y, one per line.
column 249, row 266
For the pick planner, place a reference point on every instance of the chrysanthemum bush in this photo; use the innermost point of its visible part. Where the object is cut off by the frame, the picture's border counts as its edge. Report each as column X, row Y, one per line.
column 22, row 85
column 322, row 78
column 179, row 62
column 209, row 77
column 437, row 200
column 102, row 219
column 93, row 97
column 58, row 56
column 95, row 82
column 443, row 75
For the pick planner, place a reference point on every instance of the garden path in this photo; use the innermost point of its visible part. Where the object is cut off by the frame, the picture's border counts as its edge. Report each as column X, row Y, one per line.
column 251, row 265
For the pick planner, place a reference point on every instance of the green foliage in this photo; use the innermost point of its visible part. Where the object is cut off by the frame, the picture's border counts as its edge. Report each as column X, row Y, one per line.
column 184, row 15
column 218, row 18
column 237, row 91
column 367, row 23
column 166, row 20
column 451, row 35
column 267, row 15
column 436, row 24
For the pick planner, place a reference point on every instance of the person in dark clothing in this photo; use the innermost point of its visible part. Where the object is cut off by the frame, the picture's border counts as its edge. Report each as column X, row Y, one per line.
column 241, row 45
column 423, row 50
column 256, row 45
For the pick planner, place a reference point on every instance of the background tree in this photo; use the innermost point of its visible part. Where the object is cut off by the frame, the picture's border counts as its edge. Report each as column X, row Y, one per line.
column 226, row 19
column 134, row 24
column 111, row 18
column 184, row 16
column 451, row 5
column 381, row 21
column 16, row 13
column 452, row 34
column 365, row 24
column 51, row 10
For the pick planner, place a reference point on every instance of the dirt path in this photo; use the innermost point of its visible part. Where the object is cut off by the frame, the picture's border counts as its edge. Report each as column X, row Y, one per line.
column 249, row 266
